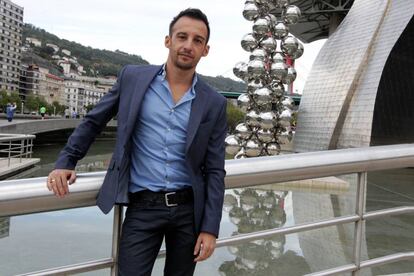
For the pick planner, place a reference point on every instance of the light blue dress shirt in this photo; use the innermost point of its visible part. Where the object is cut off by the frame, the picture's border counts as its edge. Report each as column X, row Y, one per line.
column 159, row 139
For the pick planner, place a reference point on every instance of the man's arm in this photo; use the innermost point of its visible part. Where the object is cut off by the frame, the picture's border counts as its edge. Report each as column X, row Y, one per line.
column 81, row 139
column 214, row 175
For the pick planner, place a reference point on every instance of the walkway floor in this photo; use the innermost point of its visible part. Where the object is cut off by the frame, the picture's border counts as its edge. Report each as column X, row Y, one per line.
column 16, row 165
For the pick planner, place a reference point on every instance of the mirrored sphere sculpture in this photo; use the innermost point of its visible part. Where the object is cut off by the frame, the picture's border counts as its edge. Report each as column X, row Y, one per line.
column 268, row 73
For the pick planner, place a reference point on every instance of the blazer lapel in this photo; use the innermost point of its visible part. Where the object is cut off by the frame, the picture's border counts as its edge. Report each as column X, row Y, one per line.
column 143, row 80
column 197, row 110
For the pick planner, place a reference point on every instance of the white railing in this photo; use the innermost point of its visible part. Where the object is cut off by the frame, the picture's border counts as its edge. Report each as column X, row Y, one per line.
column 26, row 196
column 15, row 147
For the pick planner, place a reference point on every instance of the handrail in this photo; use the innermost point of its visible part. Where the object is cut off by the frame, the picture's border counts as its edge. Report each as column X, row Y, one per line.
column 31, row 196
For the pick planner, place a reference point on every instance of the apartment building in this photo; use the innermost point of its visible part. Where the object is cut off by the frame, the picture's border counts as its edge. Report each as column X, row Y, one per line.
column 38, row 81
column 11, row 25
column 80, row 93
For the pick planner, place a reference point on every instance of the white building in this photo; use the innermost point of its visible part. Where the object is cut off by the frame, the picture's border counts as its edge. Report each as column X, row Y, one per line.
column 55, row 47
column 34, row 41
column 66, row 52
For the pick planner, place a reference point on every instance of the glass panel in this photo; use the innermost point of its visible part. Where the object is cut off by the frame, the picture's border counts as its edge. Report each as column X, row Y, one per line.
column 46, row 240
column 392, row 234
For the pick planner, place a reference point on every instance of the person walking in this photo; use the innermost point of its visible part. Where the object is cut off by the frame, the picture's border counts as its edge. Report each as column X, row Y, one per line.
column 67, row 113
column 168, row 161
column 10, row 109
column 42, row 112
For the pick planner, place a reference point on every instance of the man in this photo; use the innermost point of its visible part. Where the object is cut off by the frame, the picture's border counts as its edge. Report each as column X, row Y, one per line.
column 42, row 112
column 168, row 162
column 11, row 108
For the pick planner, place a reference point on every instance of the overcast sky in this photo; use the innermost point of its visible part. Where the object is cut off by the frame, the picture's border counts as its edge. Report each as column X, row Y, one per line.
column 139, row 27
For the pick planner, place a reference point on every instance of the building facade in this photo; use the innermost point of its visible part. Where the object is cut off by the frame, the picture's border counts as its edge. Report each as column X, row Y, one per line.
column 35, row 80
column 11, row 25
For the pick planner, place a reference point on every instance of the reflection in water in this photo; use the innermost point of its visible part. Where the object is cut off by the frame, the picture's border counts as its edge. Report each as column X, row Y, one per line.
column 4, row 227
column 255, row 210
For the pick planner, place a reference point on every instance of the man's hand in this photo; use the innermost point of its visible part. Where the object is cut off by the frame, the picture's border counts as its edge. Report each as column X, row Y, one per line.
column 206, row 243
column 58, row 180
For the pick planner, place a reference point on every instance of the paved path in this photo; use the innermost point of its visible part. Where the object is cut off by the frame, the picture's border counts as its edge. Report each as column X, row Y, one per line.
column 16, row 165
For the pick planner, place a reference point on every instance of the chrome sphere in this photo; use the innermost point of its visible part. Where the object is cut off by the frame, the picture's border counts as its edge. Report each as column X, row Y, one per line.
column 265, row 135
column 278, row 57
column 248, row 42
column 262, row 96
column 269, row 44
column 291, row 14
column 285, row 137
column 280, row 30
column 250, row 11
column 278, row 90
column 237, row 69
column 253, row 85
column 273, row 148
column 243, row 72
column 261, row 26
column 285, row 117
column 289, row 45
column 282, row 3
column 243, row 102
column 271, row 18
column 291, row 75
column 241, row 154
column 252, row 118
column 288, row 102
column 267, row 120
column 278, row 71
column 253, row 148
column 299, row 52
column 259, row 54
column 232, row 144
column 256, row 68
column 243, row 131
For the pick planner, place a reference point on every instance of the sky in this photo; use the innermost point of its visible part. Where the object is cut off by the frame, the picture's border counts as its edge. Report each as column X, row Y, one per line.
column 139, row 27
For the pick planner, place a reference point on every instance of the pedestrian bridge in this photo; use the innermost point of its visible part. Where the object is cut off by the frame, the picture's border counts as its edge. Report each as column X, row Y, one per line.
column 42, row 126
column 331, row 250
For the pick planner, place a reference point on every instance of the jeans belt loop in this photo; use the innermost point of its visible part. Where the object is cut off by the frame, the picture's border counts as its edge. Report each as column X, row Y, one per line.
column 167, row 203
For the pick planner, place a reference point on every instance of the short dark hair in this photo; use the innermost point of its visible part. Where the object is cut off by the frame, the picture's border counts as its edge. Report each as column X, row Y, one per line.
column 194, row 14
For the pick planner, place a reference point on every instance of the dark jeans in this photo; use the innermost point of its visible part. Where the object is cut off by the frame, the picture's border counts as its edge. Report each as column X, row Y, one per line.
column 145, row 226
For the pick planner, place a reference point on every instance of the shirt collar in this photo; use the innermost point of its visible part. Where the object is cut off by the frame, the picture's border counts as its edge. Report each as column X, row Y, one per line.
column 163, row 74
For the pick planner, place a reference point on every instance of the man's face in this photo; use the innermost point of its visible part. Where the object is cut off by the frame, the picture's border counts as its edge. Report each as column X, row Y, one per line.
column 187, row 43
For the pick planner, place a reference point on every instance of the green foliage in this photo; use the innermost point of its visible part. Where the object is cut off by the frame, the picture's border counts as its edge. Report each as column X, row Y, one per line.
column 102, row 62
column 225, row 84
column 234, row 116
column 10, row 97
column 98, row 62
column 89, row 107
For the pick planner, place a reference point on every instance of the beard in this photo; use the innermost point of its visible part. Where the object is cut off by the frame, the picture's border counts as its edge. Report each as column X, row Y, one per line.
column 185, row 65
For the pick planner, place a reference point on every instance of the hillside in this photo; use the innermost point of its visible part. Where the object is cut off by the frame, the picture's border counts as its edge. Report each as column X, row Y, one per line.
column 97, row 62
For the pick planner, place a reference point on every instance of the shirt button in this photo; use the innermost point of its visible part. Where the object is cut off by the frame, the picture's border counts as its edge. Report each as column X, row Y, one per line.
column 172, row 110
column 168, row 129
column 167, row 164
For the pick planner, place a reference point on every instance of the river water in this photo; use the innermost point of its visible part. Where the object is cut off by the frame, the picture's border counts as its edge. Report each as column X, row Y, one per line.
column 44, row 240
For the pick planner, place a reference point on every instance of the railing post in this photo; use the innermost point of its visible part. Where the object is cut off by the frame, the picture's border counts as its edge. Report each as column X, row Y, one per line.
column 21, row 149
column 116, row 233
column 359, row 225
column 8, row 163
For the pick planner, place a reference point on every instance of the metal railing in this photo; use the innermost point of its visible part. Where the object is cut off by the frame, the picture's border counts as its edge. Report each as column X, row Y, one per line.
column 15, row 147
column 26, row 196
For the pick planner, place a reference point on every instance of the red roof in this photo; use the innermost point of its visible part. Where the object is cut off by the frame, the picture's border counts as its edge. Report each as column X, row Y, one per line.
column 54, row 77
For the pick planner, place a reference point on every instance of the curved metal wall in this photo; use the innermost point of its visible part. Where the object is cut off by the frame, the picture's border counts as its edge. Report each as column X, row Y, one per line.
column 337, row 105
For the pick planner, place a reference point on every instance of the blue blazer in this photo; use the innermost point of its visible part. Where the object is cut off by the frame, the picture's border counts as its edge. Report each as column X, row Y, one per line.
column 205, row 150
